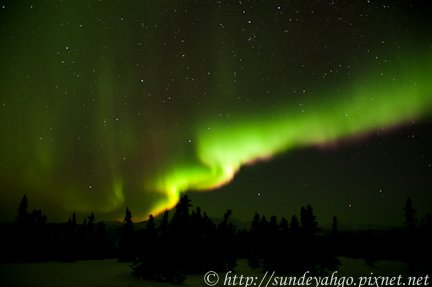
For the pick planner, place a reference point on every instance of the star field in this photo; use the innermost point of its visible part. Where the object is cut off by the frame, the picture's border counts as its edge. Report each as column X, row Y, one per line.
column 107, row 104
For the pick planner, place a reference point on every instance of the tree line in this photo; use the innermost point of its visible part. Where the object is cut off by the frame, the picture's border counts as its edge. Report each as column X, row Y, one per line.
column 187, row 241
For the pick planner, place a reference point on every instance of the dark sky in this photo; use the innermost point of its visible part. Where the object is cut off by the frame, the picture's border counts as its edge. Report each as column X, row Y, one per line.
column 108, row 104
column 364, row 182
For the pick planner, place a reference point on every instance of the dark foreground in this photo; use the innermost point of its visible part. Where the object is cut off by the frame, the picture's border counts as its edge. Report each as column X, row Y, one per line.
column 110, row 272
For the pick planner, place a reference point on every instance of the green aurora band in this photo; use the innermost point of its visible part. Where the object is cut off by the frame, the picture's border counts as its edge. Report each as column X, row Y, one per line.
column 105, row 105
column 404, row 94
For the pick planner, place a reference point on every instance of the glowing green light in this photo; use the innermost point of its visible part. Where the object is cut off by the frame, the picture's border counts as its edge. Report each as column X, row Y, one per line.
column 372, row 103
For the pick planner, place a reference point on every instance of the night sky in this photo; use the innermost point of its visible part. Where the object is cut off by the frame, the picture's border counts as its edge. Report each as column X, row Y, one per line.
column 250, row 105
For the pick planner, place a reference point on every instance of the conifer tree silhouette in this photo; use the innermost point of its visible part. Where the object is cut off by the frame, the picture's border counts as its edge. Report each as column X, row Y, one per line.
column 23, row 216
column 283, row 226
column 409, row 211
column 294, row 225
column 335, row 228
column 126, row 244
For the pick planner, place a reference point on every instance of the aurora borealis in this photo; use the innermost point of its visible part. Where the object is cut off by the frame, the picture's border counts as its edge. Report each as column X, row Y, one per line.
column 108, row 104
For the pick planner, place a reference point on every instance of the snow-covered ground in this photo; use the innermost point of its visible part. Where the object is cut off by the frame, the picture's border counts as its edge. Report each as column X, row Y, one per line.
column 110, row 273
column 59, row 274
